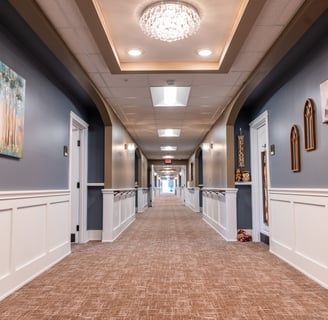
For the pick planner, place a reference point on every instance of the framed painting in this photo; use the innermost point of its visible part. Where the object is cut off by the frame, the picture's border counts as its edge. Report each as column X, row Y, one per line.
column 324, row 100
column 295, row 159
column 12, row 107
column 309, row 125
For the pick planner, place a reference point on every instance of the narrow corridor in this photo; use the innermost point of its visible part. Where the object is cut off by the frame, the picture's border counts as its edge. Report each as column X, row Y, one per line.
column 169, row 265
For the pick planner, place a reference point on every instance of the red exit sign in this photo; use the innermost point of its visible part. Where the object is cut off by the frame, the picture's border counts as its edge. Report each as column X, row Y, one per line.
column 168, row 161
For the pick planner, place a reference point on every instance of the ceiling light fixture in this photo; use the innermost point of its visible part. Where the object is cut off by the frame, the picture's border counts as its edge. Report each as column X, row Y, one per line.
column 169, row 20
column 170, row 96
column 135, row 52
column 204, row 52
column 168, row 132
column 168, row 148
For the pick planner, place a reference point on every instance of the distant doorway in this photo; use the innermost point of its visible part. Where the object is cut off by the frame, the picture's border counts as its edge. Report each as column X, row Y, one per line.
column 168, row 186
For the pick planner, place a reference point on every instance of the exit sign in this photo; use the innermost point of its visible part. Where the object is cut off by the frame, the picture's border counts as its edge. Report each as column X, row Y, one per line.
column 168, row 161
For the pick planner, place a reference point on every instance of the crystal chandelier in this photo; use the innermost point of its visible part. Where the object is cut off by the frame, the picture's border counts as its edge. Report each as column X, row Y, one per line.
column 169, row 20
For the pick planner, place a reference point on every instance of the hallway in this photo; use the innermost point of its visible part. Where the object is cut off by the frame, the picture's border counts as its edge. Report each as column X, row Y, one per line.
column 169, row 265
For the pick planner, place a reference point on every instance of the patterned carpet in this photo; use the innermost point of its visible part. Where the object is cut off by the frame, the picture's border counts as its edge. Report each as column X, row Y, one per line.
column 169, row 265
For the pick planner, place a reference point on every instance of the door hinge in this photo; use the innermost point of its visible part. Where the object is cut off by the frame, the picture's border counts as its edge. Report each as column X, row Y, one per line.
column 78, row 185
column 78, row 143
column 77, row 228
column 72, row 237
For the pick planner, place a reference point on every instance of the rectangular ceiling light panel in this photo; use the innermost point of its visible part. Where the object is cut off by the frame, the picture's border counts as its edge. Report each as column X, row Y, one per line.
column 170, row 96
column 168, row 148
column 168, row 132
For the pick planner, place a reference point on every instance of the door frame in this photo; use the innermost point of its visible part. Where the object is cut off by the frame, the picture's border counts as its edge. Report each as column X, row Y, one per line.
column 255, row 125
column 77, row 122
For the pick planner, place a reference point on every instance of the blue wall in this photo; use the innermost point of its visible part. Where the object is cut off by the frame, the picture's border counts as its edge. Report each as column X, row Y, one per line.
column 285, row 108
column 47, row 114
column 51, row 94
column 283, row 94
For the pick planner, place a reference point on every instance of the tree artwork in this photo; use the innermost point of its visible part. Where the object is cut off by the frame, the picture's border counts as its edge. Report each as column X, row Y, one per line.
column 12, row 100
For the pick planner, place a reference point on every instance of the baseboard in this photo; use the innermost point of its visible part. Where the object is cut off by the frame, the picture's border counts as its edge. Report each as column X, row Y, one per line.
column 94, row 235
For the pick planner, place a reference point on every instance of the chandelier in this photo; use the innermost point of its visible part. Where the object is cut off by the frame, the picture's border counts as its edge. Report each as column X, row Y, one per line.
column 169, row 20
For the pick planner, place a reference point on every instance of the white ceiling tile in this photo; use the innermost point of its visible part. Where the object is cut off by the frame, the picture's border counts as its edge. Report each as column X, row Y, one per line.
column 54, row 12
column 262, row 38
column 289, row 11
column 278, row 12
column 136, row 92
column 160, row 80
column 106, row 92
column 210, row 91
column 87, row 64
column 99, row 63
column 228, row 79
column 243, row 77
column 97, row 79
column 125, row 81
column 72, row 13
column 247, row 61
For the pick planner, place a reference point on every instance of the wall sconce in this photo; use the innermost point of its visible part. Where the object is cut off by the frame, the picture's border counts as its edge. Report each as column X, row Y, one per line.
column 207, row 146
column 129, row 146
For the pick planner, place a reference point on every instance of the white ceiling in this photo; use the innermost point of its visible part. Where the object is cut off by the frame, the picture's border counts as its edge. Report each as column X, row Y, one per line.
column 129, row 93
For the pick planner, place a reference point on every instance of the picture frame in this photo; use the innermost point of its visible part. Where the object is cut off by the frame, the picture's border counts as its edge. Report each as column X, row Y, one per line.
column 12, row 108
column 295, row 160
column 309, row 125
column 241, row 149
column 324, row 100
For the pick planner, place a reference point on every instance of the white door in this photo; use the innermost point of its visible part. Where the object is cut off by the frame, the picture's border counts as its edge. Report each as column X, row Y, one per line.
column 75, row 184
column 260, row 175
column 262, row 181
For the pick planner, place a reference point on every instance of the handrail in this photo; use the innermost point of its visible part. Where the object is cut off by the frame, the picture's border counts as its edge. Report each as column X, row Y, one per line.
column 216, row 191
column 123, row 191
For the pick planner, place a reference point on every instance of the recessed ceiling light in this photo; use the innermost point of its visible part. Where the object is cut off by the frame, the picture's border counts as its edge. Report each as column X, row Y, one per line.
column 135, row 52
column 170, row 96
column 204, row 52
column 168, row 148
column 168, row 132
column 168, row 157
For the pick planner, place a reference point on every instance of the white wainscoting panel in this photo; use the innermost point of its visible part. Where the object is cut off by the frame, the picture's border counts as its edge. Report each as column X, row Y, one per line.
column 94, row 235
column 5, row 242
column 142, row 194
column 192, row 198
column 118, row 212
column 29, row 221
column 57, row 224
column 220, row 211
column 34, row 235
column 298, row 227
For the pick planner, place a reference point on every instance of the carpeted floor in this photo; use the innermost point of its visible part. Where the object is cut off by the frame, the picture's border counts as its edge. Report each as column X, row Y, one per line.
column 169, row 265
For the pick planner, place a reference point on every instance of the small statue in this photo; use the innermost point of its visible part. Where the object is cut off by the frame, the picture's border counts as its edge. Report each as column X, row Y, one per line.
column 238, row 175
column 245, row 176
